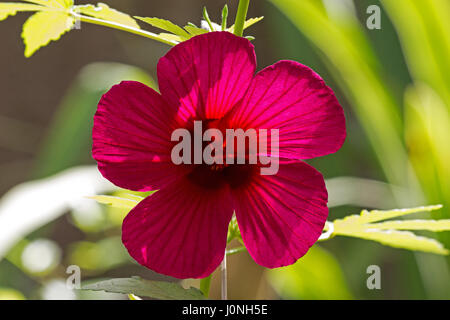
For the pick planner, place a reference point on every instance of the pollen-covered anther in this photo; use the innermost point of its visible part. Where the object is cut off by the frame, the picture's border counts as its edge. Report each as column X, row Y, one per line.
column 217, row 167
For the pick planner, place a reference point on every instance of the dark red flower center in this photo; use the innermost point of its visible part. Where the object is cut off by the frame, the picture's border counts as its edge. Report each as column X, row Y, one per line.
column 216, row 176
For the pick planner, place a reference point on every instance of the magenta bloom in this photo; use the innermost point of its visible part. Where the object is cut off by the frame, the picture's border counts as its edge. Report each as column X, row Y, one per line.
column 181, row 230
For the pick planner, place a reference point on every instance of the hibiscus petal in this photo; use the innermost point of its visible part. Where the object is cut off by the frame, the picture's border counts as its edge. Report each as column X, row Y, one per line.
column 131, row 137
column 282, row 216
column 207, row 75
column 294, row 99
column 180, row 231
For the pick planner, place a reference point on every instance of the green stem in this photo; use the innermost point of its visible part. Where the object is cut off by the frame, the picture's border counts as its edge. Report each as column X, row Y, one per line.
column 240, row 17
column 224, row 289
column 122, row 27
column 205, row 284
column 235, row 250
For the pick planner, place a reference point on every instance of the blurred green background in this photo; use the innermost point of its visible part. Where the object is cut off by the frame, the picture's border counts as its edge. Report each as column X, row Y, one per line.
column 394, row 85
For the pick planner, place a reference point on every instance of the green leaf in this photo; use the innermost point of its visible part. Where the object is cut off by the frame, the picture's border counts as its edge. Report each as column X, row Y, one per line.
column 133, row 297
column 205, row 285
column 104, row 12
column 378, row 215
column 397, row 239
column 170, row 37
column 118, row 202
column 43, row 27
column 207, row 19
column 67, row 3
column 53, row 3
column 195, row 31
column 247, row 23
column 233, row 231
column 387, row 232
column 10, row 9
column 317, row 275
column 427, row 123
column 429, row 225
column 427, row 45
column 154, row 289
column 167, row 26
column 224, row 17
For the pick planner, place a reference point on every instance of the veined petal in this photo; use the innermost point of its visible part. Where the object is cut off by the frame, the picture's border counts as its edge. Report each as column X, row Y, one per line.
column 131, row 137
column 282, row 216
column 294, row 99
column 180, row 231
column 207, row 75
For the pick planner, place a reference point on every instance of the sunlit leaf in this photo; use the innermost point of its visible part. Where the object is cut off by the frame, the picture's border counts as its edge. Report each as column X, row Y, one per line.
column 378, row 215
column 427, row 131
column 317, row 275
column 115, row 215
column 166, row 25
column 133, row 297
column 427, row 45
column 361, row 226
column 195, row 31
column 429, row 225
column 423, row 29
column 53, row 3
column 397, row 239
column 117, row 202
column 146, row 288
column 247, row 23
column 67, row 3
column 10, row 9
column 43, row 27
column 104, row 12
column 170, row 37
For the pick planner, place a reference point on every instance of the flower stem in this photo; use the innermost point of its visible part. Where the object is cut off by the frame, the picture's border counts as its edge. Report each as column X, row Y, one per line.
column 240, row 17
column 224, row 293
column 122, row 27
column 235, row 250
column 205, row 285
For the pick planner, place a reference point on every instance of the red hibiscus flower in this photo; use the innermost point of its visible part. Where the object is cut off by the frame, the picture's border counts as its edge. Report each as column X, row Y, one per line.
column 181, row 230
